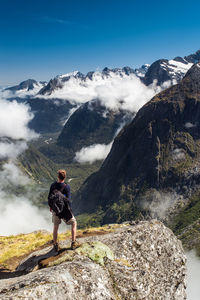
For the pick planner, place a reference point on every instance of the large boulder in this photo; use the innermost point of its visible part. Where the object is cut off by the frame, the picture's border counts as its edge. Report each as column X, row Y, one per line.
column 139, row 261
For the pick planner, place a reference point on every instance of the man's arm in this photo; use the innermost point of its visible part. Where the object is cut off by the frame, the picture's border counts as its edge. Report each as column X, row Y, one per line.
column 50, row 191
column 67, row 193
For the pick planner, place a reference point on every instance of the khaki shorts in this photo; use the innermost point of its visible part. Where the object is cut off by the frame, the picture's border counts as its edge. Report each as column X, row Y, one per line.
column 57, row 221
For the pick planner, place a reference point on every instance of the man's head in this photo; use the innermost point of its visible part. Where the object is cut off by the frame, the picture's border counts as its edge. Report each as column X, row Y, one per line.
column 61, row 175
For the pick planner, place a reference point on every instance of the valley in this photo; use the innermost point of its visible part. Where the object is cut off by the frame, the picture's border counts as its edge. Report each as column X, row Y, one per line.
column 149, row 118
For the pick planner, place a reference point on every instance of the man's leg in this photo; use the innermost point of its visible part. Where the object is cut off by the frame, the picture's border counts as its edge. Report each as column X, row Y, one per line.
column 56, row 222
column 74, row 227
column 55, row 233
column 73, row 223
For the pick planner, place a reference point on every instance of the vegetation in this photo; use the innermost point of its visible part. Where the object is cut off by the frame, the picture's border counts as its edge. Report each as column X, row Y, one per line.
column 90, row 220
column 186, row 225
column 15, row 248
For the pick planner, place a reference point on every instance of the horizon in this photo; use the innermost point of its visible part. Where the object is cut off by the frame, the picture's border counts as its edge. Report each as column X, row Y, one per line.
column 42, row 39
column 85, row 73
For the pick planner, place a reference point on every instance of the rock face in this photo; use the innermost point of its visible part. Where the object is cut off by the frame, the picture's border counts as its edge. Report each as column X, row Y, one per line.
column 139, row 261
column 158, row 151
column 91, row 124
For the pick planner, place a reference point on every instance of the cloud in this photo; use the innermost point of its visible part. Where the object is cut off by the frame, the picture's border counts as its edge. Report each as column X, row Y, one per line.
column 158, row 203
column 18, row 214
column 92, row 153
column 189, row 125
column 193, row 275
column 115, row 92
column 12, row 150
column 178, row 154
column 14, row 119
column 48, row 19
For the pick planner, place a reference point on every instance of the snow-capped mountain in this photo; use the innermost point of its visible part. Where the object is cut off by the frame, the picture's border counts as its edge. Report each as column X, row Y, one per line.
column 160, row 71
column 118, row 91
column 63, row 86
column 164, row 70
column 28, row 87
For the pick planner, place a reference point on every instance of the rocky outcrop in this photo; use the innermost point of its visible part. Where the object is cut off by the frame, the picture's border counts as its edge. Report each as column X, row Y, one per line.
column 138, row 261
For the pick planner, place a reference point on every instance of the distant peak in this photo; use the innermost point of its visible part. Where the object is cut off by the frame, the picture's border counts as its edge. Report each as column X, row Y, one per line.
column 194, row 72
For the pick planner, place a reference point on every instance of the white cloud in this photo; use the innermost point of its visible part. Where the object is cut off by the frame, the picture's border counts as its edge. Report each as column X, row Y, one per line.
column 193, row 275
column 178, row 154
column 14, row 119
column 114, row 91
column 13, row 149
column 159, row 203
column 92, row 153
column 18, row 215
column 189, row 125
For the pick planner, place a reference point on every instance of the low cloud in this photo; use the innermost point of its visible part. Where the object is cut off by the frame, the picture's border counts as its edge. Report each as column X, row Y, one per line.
column 158, row 203
column 178, row 154
column 12, row 149
column 18, row 214
column 114, row 91
column 193, row 275
column 14, row 119
column 189, row 125
column 92, row 153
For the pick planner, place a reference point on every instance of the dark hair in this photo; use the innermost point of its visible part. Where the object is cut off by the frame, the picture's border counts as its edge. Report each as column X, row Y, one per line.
column 61, row 174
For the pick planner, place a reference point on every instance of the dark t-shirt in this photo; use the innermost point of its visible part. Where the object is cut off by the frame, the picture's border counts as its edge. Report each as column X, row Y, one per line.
column 59, row 186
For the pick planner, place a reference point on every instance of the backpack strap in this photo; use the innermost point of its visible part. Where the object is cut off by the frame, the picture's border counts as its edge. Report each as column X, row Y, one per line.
column 63, row 187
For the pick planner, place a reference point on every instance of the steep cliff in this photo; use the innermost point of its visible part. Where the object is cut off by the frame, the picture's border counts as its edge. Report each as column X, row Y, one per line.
column 157, row 153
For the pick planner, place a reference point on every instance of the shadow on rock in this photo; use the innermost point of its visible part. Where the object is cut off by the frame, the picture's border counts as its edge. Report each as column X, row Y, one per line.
column 32, row 262
column 6, row 274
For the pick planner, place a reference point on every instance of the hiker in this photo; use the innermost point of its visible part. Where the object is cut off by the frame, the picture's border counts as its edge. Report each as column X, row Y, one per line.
column 59, row 200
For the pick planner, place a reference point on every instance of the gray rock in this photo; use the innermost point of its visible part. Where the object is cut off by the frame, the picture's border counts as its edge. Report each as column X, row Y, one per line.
column 149, row 263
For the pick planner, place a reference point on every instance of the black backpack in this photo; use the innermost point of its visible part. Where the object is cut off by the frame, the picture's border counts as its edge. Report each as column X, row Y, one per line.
column 60, row 204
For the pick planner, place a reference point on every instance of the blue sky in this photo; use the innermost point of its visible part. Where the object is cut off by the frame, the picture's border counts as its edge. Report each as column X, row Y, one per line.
column 40, row 39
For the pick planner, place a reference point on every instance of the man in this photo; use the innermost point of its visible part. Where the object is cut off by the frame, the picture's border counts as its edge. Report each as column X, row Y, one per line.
column 64, row 188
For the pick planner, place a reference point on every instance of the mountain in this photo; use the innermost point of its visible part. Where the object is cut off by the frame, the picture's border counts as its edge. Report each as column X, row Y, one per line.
column 54, row 103
column 91, row 124
column 164, row 70
column 57, row 82
column 49, row 115
column 193, row 58
column 27, row 87
column 161, row 70
column 36, row 165
column 154, row 161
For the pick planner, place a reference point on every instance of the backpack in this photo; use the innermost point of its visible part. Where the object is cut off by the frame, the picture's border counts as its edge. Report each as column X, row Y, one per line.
column 58, row 202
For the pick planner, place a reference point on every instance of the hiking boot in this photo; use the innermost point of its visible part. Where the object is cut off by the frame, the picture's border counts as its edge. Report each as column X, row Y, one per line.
column 75, row 245
column 55, row 247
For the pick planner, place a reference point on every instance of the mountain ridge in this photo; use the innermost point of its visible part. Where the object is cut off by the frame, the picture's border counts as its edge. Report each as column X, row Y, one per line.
column 157, row 150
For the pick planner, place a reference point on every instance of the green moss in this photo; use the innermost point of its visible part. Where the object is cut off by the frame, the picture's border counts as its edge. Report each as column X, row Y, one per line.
column 96, row 251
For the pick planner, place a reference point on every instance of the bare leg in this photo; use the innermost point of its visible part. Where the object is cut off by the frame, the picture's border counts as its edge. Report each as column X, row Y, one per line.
column 74, row 225
column 55, row 233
